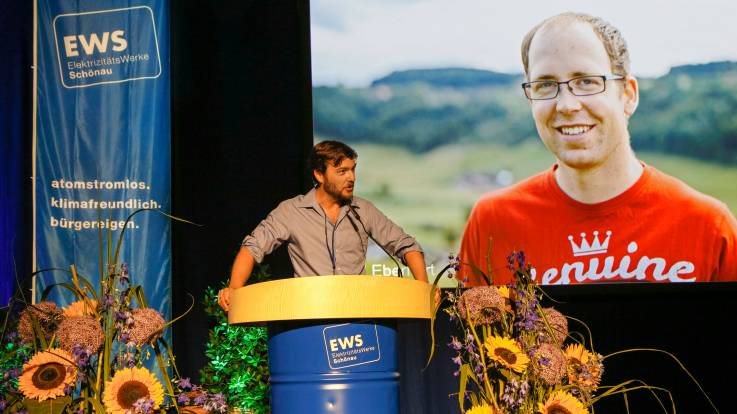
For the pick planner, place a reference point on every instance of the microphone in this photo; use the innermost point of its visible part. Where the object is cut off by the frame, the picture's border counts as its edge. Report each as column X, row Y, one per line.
column 355, row 213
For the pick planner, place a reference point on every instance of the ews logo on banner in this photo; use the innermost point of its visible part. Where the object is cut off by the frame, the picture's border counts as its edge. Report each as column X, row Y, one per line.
column 106, row 46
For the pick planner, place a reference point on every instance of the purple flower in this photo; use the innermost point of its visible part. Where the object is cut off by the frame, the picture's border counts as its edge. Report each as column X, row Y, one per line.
column 457, row 360
column 183, row 399
column 521, row 260
column 515, row 393
column 455, row 344
column 201, row 399
column 107, row 301
column 12, row 373
column 185, row 384
column 81, row 355
column 510, row 261
column 144, row 405
column 124, row 276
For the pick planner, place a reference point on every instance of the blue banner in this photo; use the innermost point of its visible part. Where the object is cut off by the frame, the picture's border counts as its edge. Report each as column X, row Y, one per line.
column 102, row 141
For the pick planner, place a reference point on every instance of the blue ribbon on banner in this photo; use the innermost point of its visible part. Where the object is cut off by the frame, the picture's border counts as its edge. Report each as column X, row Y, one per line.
column 102, row 143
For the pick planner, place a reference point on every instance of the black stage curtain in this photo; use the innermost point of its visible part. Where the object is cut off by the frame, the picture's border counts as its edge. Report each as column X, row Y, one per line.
column 241, row 131
column 16, row 185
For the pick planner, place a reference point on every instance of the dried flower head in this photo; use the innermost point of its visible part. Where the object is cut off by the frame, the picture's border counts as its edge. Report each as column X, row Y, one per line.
column 148, row 326
column 84, row 331
column 47, row 314
column 484, row 304
column 557, row 326
column 550, row 364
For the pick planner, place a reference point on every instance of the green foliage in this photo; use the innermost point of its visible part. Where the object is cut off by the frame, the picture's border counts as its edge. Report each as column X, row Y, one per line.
column 238, row 357
column 14, row 355
column 690, row 111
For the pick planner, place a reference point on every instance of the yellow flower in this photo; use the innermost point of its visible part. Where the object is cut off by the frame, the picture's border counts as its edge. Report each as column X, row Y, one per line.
column 46, row 375
column 506, row 352
column 507, row 295
column 561, row 402
column 480, row 409
column 128, row 386
column 81, row 308
column 576, row 353
column 583, row 367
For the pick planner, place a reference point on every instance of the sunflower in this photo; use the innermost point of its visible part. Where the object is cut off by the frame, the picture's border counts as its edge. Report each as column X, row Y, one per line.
column 128, row 386
column 508, row 296
column 561, row 402
column 81, row 308
column 46, row 375
column 506, row 352
column 480, row 409
column 583, row 367
column 576, row 353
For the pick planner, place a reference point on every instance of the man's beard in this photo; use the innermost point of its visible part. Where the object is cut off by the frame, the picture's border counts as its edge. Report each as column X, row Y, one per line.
column 335, row 192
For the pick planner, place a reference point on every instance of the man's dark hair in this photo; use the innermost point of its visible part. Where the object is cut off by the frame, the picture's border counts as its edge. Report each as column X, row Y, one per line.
column 333, row 152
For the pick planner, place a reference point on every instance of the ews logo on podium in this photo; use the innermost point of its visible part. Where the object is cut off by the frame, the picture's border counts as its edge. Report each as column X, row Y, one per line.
column 348, row 345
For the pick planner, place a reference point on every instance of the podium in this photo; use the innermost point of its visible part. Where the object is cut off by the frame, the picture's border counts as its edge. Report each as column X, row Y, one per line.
column 332, row 339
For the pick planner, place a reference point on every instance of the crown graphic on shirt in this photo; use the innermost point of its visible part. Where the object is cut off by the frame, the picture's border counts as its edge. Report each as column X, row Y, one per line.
column 586, row 248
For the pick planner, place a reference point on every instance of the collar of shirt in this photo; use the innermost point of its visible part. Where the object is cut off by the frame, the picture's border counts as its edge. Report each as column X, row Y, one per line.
column 309, row 200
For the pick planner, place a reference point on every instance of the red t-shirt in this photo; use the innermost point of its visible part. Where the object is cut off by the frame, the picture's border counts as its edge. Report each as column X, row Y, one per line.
column 658, row 230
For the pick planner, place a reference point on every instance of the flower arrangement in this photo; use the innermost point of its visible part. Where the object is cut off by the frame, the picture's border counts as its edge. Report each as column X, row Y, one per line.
column 516, row 356
column 90, row 356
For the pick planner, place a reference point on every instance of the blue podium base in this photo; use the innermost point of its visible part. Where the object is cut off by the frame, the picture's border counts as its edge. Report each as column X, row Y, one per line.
column 333, row 368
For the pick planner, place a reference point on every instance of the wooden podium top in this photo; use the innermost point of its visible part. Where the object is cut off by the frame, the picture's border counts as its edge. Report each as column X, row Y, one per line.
column 330, row 297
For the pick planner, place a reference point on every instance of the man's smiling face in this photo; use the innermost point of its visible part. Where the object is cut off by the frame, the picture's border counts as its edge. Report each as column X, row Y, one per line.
column 583, row 132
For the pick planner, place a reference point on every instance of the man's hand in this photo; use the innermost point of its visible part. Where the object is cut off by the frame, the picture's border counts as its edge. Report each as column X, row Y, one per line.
column 224, row 298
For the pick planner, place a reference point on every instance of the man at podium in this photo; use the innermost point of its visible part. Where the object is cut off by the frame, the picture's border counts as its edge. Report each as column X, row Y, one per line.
column 326, row 230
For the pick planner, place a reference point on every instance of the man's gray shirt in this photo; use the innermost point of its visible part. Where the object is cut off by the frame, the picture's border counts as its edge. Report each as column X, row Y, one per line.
column 314, row 243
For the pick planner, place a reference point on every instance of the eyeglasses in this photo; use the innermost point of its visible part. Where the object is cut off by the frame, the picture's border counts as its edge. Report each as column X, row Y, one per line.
column 579, row 86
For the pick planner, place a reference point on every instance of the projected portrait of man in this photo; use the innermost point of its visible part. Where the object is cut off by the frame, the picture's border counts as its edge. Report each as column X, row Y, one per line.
column 599, row 214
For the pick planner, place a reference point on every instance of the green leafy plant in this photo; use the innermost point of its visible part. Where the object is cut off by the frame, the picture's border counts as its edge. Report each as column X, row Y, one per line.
column 238, row 357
